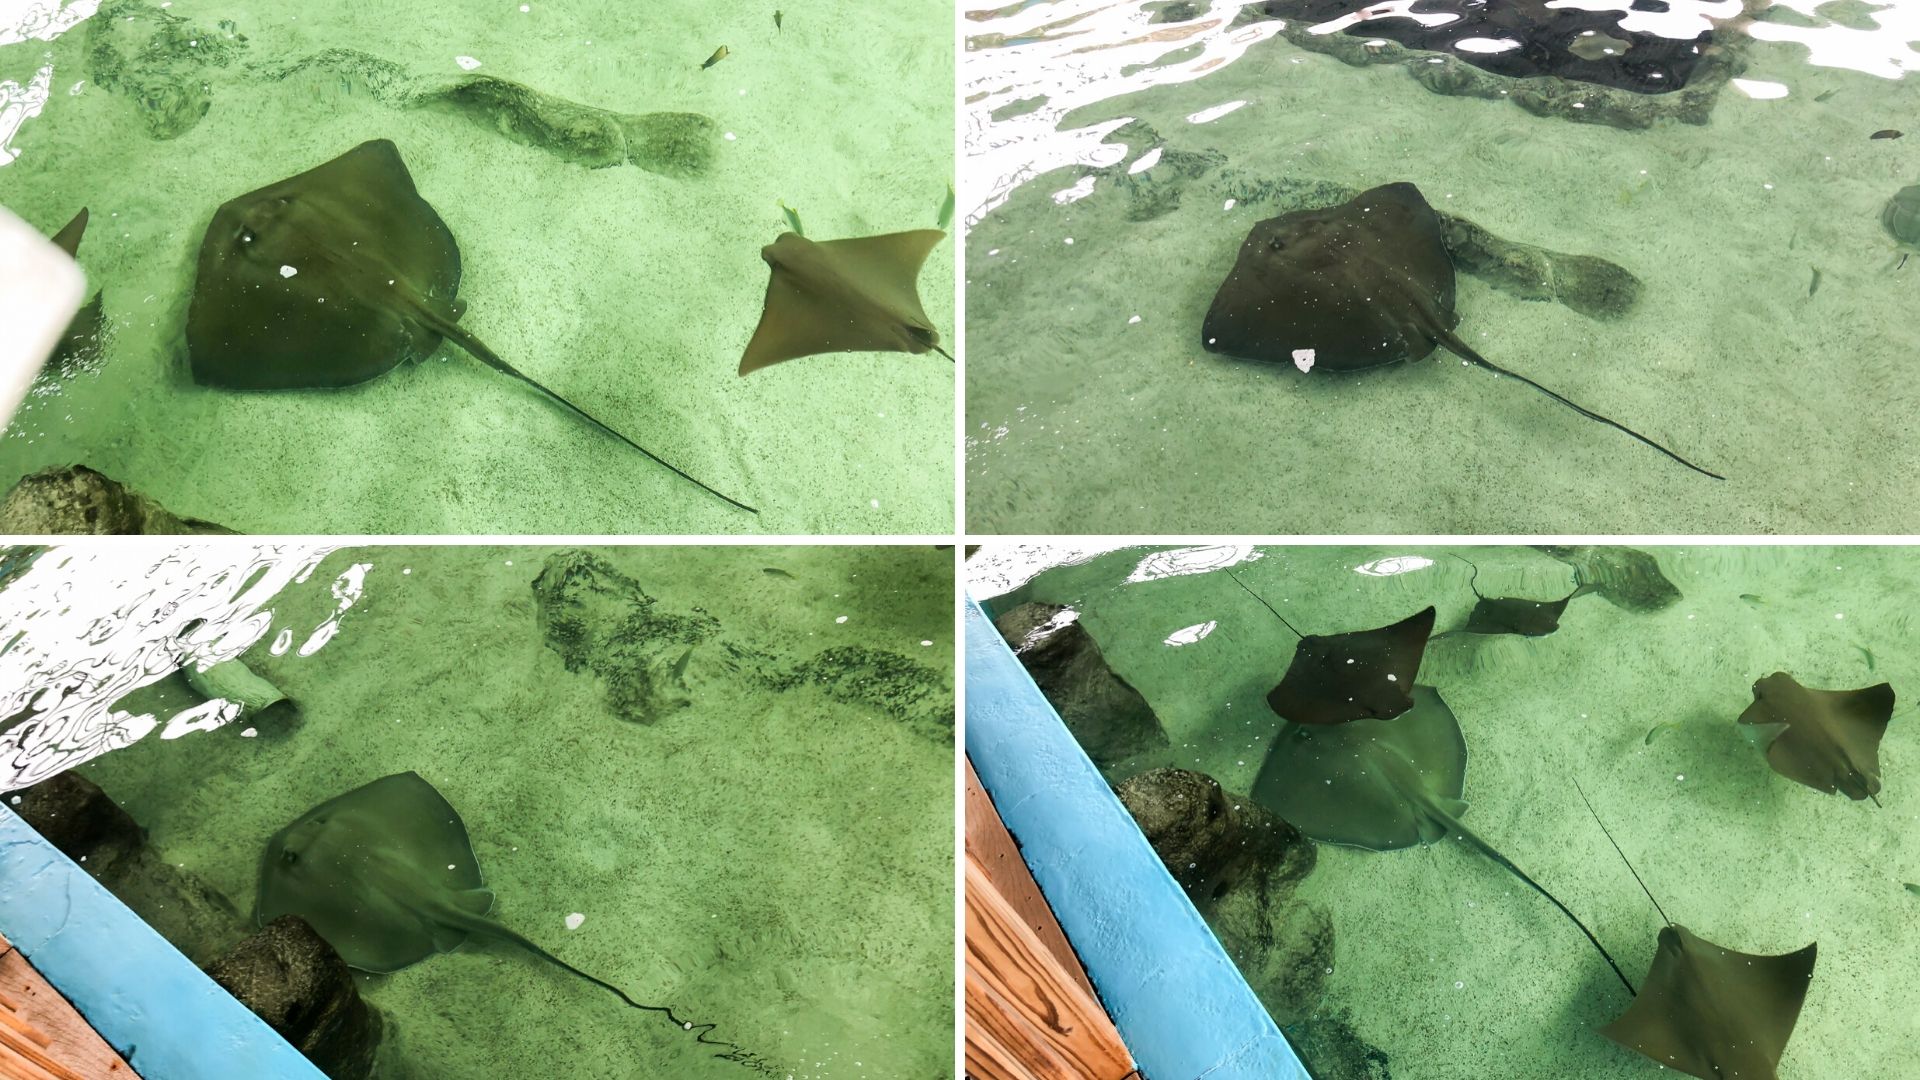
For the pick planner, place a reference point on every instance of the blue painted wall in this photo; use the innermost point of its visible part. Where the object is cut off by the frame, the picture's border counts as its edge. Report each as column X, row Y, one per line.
column 1181, row 1005
column 148, row 1001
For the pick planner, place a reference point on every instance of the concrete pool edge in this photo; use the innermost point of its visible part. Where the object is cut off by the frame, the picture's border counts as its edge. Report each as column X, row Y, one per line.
column 1180, row 1003
column 163, row 1015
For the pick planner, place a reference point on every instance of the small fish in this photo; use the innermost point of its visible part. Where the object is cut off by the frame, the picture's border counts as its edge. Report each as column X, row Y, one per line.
column 719, row 54
column 1814, row 285
column 776, row 18
column 774, row 571
column 1885, row 133
column 680, row 666
column 1868, row 653
column 946, row 209
column 1825, row 94
column 1658, row 728
column 793, row 219
column 1912, row 888
column 1752, row 600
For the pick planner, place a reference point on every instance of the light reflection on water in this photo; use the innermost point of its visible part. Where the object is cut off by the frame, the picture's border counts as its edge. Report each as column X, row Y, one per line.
column 1029, row 65
column 86, row 626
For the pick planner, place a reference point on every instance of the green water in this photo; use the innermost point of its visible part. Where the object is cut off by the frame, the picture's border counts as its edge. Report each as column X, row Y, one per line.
column 771, row 857
column 1450, row 966
column 1107, row 199
column 630, row 292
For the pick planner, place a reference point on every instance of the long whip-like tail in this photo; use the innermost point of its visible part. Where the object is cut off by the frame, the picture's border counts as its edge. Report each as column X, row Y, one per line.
column 1453, row 342
column 1488, row 850
column 487, row 356
column 702, row 1033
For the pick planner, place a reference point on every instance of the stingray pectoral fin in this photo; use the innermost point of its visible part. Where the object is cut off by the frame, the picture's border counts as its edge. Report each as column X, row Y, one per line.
column 487, row 356
column 1462, row 349
column 68, row 238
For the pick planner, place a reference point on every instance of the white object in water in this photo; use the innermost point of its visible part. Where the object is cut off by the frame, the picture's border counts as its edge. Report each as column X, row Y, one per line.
column 41, row 289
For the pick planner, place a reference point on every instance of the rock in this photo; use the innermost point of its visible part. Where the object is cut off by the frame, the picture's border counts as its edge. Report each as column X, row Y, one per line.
column 79, row 820
column 1282, row 945
column 291, row 978
column 677, row 144
column 1108, row 717
column 86, row 825
column 601, row 621
column 78, row 501
column 1335, row 1051
column 1240, row 863
column 158, row 61
column 1212, row 843
column 904, row 690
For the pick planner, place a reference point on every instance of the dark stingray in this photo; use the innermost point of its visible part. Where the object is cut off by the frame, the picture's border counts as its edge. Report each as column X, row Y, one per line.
column 1383, row 785
column 1513, row 615
column 1550, row 39
column 1362, row 284
column 854, row 295
column 83, row 333
column 1338, row 678
column 333, row 277
column 1709, row 1011
column 386, row 874
column 1828, row 740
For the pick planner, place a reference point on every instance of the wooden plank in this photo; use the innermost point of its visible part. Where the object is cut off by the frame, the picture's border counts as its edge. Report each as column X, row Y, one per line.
column 989, row 841
column 42, row 1036
column 1027, row 1019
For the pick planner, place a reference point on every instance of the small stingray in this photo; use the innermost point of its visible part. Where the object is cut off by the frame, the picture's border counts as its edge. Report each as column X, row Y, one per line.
column 333, row 277
column 1339, row 678
column 1383, row 785
column 1513, row 615
column 84, row 331
column 1627, row 578
column 855, row 295
column 1828, row 740
column 1362, row 284
column 386, row 874
column 1709, row 1011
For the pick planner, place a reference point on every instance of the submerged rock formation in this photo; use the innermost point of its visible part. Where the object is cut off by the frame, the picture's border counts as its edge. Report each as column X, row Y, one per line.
column 1240, row 865
column 291, row 978
column 1109, row 718
column 77, row 501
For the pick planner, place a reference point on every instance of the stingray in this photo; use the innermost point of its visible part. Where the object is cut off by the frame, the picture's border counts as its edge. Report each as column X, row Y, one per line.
column 1709, row 1011
column 386, row 874
column 1384, row 785
column 84, row 331
column 1828, row 740
column 1362, row 284
column 854, row 295
column 334, row 277
column 1339, row 678
column 1512, row 614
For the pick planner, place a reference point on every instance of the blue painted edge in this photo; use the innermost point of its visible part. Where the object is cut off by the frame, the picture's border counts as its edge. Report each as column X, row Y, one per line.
column 1181, row 1005
column 160, row 1012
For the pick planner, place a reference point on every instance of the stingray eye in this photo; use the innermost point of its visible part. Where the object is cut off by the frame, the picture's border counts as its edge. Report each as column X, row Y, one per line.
column 1276, row 244
column 289, row 856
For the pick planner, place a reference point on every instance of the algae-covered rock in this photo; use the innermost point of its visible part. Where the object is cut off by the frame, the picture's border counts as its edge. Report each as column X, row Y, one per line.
column 77, row 501
column 291, row 978
column 159, row 61
column 1107, row 716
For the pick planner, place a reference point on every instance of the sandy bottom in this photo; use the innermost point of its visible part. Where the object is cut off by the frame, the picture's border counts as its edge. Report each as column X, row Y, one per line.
column 1092, row 408
column 777, row 863
column 631, row 293
column 1452, row 966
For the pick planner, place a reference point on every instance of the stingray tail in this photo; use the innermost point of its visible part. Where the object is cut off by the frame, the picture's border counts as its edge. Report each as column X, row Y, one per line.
column 1488, row 850
column 486, row 356
column 1453, row 342
column 702, row 1032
